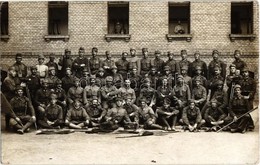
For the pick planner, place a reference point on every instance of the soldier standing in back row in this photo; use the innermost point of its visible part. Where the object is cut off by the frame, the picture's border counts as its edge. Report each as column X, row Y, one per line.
column 157, row 62
column 20, row 68
column 240, row 64
column 145, row 63
column 80, row 63
column 94, row 62
column 198, row 62
column 122, row 65
column 173, row 64
column 65, row 62
column 184, row 61
column 216, row 62
column 134, row 62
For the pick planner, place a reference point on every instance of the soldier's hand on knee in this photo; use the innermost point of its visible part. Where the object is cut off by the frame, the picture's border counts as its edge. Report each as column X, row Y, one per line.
column 33, row 118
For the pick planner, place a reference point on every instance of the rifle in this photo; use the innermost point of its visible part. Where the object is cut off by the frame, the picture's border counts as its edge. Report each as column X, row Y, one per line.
column 237, row 119
column 59, row 131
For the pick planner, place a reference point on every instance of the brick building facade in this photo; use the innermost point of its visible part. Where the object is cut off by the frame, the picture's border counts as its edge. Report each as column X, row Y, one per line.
column 210, row 27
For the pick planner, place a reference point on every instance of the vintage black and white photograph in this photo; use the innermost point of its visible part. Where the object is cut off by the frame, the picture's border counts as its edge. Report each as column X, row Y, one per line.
column 129, row 82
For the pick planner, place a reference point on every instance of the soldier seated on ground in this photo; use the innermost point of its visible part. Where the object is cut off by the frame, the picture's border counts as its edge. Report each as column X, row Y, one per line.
column 132, row 111
column 77, row 116
column 168, row 115
column 24, row 114
column 191, row 117
column 53, row 115
column 214, row 116
column 147, row 116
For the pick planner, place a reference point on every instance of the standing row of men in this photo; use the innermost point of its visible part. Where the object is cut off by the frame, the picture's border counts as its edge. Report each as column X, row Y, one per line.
column 129, row 92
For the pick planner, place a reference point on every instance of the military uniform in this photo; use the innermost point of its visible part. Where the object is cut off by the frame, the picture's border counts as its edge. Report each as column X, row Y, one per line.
column 163, row 92
column 52, row 64
column 94, row 65
column 107, row 64
column 65, row 62
column 149, row 94
column 79, row 64
column 213, row 83
column 200, row 63
column 158, row 63
column 122, row 67
column 145, row 66
column 192, row 116
column 199, row 94
column 217, row 63
column 9, row 86
column 75, row 93
column 77, row 116
column 173, row 64
column 20, row 68
column 214, row 115
column 34, row 83
column 91, row 91
column 67, row 81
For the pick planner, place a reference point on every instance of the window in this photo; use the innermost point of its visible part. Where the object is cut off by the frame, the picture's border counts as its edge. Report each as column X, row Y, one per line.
column 57, row 20
column 4, row 21
column 118, row 21
column 241, row 20
column 179, row 21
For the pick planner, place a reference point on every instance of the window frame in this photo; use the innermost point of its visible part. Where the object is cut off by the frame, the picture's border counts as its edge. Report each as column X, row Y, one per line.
column 4, row 37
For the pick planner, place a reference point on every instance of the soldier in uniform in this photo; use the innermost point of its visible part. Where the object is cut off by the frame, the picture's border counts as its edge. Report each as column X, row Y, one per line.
column 135, row 80
column 42, row 69
column 198, row 62
column 42, row 99
column 77, row 117
column 168, row 115
column 94, row 62
column 153, row 75
column 214, row 115
column 216, row 62
column 68, row 80
column 75, row 93
column 10, row 83
column 147, row 116
column 108, row 93
column 187, row 79
column 232, row 79
column 24, row 112
column 133, row 61
column 117, row 78
column 84, row 79
column 198, row 75
column 52, row 78
column 240, row 64
column 184, row 61
column 108, row 63
column 95, row 111
column 126, row 92
column 248, row 87
column 213, row 81
column 116, row 117
column 65, row 62
column 173, row 64
column 163, row 92
column 80, row 63
column 157, row 62
column 90, row 91
column 34, row 84
column 52, row 63
column 122, row 65
column 20, row 67
column 167, row 74
column 145, row 63
column 239, row 106
column 199, row 93
column 132, row 110
column 53, row 115
column 61, row 97
column 101, row 77
column 148, row 93
column 191, row 117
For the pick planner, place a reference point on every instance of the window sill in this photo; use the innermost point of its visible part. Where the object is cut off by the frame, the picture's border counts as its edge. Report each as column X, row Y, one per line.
column 5, row 38
column 171, row 37
column 234, row 37
column 110, row 37
column 57, row 37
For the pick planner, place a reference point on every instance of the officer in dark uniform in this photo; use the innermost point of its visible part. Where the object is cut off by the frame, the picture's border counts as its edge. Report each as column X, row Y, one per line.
column 248, row 87
column 157, row 62
column 68, row 80
column 198, row 62
column 216, row 62
column 34, row 84
column 184, row 61
column 20, row 68
column 122, row 65
column 75, row 93
column 145, row 63
column 173, row 64
column 65, row 62
column 134, row 62
column 108, row 63
column 24, row 112
column 240, row 64
column 94, row 62
column 80, row 63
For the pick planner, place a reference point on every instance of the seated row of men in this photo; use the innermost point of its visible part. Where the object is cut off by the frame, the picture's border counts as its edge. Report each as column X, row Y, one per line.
column 105, row 87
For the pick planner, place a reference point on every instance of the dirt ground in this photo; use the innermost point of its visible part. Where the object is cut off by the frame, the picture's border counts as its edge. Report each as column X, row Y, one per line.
column 174, row 148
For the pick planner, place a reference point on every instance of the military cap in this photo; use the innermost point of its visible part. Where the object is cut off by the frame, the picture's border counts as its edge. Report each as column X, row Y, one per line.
column 53, row 96
column 58, row 81
column 197, row 79
column 67, row 51
column 167, row 101
column 245, row 69
column 232, row 65
column 213, row 101
column 145, row 50
column 219, row 82
column 184, row 51
column 132, row 49
column 113, row 67
column 215, row 52
column 85, row 69
column 33, row 68
column 237, row 86
column 109, row 79
column 179, row 76
column 68, row 68
column 107, row 52
column 52, row 55
column 18, row 55
column 166, row 67
column 143, row 99
column 134, row 67
column 81, row 48
column 198, row 67
column 51, row 68
column 95, row 49
column 124, row 53
column 119, row 99
column 237, row 51
column 197, row 52
column 11, row 68
column 191, row 101
column 101, row 69
column 184, row 67
column 18, row 87
column 93, row 76
column 76, row 79
column 41, row 56
column 157, row 52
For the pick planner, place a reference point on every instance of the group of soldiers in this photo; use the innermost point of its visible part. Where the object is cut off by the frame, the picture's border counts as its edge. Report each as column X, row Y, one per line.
column 129, row 93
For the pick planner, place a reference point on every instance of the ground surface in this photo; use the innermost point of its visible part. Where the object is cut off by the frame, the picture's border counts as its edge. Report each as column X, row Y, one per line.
column 175, row 148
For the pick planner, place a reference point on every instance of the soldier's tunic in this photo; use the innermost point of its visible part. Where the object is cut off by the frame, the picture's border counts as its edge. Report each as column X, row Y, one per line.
column 54, row 114
column 117, row 80
column 33, row 84
column 200, row 63
column 213, row 83
column 212, row 65
column 132, row 111
column 199, row 93
column 100, row 80
column 94, row 65
column 67, row 82
column 75, row 93
column 162, row 93
column 248, row 88
column 61, row 97
column 65, row 62
column 146, row 65
column 185, row 63
column 21, row 69
column 95, row 111
column 147, row 116
column 174, row 66
column 232, row 79
column 89, row 92
column 52, row 81
column 214, row 114
column 107, row 65
column 42, row 96
column 191, row 116
column 107, row 100
column 222, row 98
column 78, row 65
column 135, row 83
column 158, row 64
column 53, row 64
column 122, row 67
column 127, row 93
column 182, row 93
column 149, row 94
column 9, row 86
column 77, row 116
column 203, row 80
column 240, row 64
column 170, row 80
column 133, row 63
